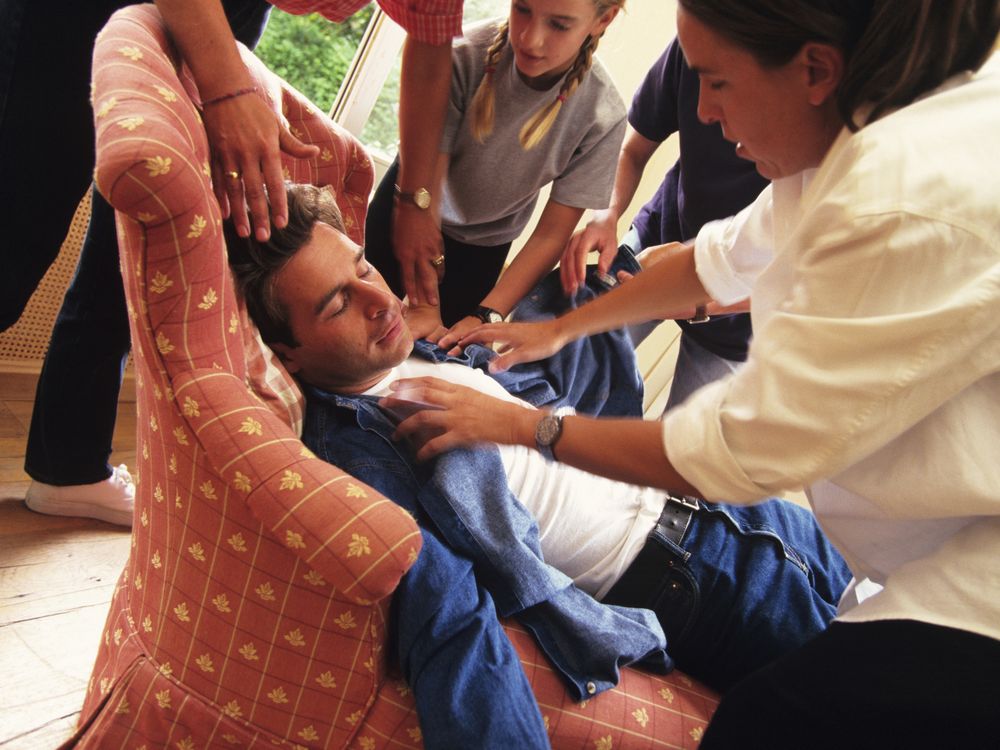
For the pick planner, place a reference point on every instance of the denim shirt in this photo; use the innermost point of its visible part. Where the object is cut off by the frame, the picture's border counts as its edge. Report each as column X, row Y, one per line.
column 464, row 494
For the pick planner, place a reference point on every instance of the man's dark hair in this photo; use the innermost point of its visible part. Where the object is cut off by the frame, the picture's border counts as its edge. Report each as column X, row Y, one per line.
column 255, row 264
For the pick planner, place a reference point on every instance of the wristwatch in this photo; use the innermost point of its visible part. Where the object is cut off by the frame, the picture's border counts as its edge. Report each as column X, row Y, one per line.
column 421, row 197
column 549, row 429
column 488, row 314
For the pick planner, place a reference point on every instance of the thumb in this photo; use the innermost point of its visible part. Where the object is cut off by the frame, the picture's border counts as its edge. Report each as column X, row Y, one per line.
column 292, row 146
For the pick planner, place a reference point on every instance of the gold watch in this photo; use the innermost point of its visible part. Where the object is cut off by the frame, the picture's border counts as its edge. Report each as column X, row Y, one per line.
column 421, row 197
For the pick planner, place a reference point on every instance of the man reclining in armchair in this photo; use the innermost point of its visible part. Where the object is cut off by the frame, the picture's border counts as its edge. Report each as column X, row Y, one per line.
column 732, row 587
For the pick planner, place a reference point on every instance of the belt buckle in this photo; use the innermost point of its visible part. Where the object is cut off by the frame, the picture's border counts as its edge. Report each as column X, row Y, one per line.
column 683, row 501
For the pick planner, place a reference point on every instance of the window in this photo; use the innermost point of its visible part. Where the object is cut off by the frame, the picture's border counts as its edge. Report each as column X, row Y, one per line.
column 312, row 54
column 351, row 69
column 381, row 127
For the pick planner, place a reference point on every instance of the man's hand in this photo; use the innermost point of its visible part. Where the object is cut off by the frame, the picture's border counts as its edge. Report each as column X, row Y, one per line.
column 417, row 243
column 247, row 137
column 600, row 234
column 449, row 416
column 519, row 342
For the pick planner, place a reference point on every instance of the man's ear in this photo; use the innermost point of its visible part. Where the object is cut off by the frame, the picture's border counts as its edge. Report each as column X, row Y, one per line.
column 824, row 68
column 287, row 356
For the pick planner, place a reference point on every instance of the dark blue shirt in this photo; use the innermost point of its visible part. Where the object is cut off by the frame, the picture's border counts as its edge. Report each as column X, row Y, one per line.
column 708, row 182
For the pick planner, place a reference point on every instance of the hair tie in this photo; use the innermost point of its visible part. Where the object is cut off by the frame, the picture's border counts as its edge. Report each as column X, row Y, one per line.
column 561, row 98
column 490, row 69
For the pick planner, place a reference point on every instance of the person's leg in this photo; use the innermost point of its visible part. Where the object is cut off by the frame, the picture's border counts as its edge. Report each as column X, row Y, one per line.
column 46, row 134
column 467, row 680
column 696, row 366
column 887, row 684
column 470, row 273
column 76, row 400
column 744, row 586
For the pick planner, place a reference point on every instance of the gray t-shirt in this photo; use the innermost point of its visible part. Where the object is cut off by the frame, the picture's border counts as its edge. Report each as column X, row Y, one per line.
column 491, row 188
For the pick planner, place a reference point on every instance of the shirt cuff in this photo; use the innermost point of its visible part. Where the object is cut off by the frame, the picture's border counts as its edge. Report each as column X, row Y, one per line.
column 427, row 21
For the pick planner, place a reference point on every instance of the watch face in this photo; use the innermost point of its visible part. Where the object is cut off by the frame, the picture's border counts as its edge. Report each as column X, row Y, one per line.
column 422, row 198
column 548, row 430
column 494, row 317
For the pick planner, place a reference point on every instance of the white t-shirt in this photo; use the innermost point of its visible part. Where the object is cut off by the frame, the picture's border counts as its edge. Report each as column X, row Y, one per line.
column 591, row 528
column 874, row 375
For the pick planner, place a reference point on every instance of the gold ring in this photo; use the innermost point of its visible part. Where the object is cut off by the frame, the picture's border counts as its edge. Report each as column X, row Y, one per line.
column 233, row 175
column 438, row 261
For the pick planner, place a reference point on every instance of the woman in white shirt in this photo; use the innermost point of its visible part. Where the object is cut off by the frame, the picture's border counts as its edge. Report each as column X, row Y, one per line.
column 873, row 263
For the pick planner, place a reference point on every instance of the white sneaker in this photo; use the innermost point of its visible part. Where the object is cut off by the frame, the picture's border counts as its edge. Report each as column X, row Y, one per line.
column 111, row 500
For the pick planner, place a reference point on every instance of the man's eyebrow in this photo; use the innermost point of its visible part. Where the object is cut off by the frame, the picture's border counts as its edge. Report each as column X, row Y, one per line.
column 325, row 299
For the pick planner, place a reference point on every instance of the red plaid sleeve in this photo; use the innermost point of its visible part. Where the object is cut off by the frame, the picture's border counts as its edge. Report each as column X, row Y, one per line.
column 430, row 21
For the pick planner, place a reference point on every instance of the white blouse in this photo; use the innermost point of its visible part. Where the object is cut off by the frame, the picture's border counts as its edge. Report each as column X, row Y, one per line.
column 874, row 376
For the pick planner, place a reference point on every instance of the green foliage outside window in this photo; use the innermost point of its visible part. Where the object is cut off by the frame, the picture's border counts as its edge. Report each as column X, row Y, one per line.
column 311, row 53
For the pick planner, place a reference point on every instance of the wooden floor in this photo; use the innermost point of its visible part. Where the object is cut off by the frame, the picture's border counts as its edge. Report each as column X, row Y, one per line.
column 56, row 579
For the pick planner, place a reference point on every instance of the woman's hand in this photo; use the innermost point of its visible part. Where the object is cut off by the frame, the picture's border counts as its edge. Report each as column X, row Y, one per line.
column 417, row 243
column 247, row 138
column 519, row 342
column 599, row 234
column 457, row 332
column 449, row 416
column 425, row 322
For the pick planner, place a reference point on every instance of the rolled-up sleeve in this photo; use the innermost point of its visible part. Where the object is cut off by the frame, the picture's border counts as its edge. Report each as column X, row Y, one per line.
column 858, row 350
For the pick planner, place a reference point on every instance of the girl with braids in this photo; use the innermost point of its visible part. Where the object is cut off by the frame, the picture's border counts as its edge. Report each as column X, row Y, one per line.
column 530, row 105
column 872, row 263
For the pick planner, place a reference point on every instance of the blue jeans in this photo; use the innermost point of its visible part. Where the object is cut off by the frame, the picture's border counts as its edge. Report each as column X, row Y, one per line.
column 467, row 680
column 746, row 585
column 77, row 398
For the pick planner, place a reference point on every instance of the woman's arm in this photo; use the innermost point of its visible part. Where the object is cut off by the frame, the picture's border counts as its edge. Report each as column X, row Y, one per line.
column 536, row 258
column 246, row 135
column 461, row 416
column 425, row 82
column 601, row 232
column 667, row 286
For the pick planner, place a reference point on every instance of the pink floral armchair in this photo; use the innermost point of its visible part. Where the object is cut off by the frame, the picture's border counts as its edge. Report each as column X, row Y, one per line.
column 252, row 611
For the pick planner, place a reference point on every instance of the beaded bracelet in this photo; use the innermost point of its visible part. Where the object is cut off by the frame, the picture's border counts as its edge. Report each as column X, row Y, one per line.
column 230, row 95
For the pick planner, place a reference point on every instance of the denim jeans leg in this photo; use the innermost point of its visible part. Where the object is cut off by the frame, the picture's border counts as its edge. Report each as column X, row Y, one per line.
column 76, row 403
column 467, row 680
column 766, row 580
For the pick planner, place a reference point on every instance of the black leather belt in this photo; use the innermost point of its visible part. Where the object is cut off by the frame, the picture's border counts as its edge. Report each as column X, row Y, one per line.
column 642, row 578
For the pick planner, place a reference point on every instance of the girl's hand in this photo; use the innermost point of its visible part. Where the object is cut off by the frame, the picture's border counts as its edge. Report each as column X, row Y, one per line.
column 247, row 139
column 449, row 416
column 519, row 342
column 599, row 234
column 462, row 328
column 416, row 241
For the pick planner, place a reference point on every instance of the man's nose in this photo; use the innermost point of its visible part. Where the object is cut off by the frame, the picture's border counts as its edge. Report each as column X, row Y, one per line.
column 378, row 301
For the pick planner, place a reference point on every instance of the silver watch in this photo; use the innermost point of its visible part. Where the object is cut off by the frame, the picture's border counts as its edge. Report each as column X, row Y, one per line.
column 549, row 429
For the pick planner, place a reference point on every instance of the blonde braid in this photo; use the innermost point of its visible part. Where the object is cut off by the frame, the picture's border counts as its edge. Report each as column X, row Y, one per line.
column 536, row 128
column 483, row 110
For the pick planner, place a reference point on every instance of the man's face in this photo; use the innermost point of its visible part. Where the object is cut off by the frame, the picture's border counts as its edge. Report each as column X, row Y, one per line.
column 348, row 323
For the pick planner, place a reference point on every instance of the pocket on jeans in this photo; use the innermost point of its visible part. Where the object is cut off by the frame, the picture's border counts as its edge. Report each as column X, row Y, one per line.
column 675, row 603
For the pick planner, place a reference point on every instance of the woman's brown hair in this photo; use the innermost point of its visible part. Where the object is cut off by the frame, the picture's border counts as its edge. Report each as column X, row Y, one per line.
column 894, row 50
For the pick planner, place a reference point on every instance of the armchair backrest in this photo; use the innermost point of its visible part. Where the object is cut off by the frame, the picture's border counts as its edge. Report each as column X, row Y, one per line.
column 258, row 579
